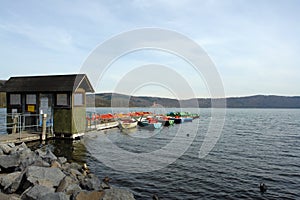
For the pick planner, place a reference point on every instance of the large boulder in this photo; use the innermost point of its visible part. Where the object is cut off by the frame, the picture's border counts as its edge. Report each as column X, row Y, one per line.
column 91, row 182
column 47, row 156
column 9, row 197
column 5, row 148
column 44, row 175
column 16, row 183
column 27, row 158
column 65, row 183
column 73, row 189
column 117, row 194
column 9, row 162
column 19, row 158
column 8, row 179
column 54, row 196
column 36, row 192
column 90, row 195
column 40, row 162
column 11, row 145
column 18, row 148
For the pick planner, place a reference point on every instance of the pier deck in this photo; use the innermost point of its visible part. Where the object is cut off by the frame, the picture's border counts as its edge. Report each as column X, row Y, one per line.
column 19, row 138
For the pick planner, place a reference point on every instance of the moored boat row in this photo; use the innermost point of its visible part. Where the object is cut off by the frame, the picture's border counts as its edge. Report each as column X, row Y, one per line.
column 131, row 120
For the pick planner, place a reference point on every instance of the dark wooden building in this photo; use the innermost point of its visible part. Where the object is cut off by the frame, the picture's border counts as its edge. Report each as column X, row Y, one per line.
column 61, row 97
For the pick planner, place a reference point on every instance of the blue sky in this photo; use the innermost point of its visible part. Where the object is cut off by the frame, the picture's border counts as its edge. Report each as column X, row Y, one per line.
column 254, row 44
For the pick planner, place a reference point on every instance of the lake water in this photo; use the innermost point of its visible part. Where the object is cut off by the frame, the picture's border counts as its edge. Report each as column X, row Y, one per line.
column 256, row 145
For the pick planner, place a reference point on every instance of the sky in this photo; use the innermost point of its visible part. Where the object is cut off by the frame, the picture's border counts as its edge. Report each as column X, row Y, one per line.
column 253, row 44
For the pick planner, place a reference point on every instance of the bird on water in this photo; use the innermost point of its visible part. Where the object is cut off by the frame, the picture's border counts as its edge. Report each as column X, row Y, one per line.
column 263, row 188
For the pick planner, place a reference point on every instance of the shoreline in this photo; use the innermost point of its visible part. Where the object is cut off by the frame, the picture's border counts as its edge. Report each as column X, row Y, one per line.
column 39, row 174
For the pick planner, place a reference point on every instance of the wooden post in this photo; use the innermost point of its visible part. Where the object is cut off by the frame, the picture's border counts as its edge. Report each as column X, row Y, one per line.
column 15, row 122
column 44, row 127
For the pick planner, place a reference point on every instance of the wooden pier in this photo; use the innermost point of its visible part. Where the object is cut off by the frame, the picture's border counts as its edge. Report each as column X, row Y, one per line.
column 23, row 137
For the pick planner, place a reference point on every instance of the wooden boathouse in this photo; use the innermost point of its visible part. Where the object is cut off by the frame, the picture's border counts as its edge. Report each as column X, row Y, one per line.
column 61, row 97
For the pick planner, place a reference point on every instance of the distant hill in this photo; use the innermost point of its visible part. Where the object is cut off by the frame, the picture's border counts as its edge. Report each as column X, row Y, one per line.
column 120, row 100
column 257, row 101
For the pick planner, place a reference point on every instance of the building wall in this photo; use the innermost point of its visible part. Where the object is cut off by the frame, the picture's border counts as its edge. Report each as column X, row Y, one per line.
column 71, row 120
column 79, row 120
column 62, row 120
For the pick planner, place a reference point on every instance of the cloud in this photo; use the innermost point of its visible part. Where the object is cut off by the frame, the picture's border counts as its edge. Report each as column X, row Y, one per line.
column 250, row 41
column 48, row 37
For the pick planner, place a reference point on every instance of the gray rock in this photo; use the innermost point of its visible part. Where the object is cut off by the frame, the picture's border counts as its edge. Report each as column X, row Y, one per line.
column 23, row 145
column 18, row 148
column 11, row 145
column 64, row 183
column 5, row 148
column 40, row 163
column 22, row 159
column 117, row 194
column 62, row 160
column 40, row 152
column 9, row 161
column 54, row 196
column 49, row 156
column 90, row 195
column 27, row 158
column 65, row 166
column 75, row 166
column 73, row 189
column 9, row 197
column 74, row 173
column 36, row 192
column 55, row 164
column 3, row 196
column 1, row 152
column 91, row 182
column 16, row 184
column 36, row 175
column 7, row 180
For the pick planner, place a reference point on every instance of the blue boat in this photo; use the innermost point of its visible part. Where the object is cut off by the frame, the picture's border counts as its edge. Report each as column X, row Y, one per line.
column 186, row 119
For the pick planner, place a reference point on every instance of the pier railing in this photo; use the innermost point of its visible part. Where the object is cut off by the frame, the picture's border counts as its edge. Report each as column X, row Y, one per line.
column 95, row 122
column 20, row 122
column 91, row 121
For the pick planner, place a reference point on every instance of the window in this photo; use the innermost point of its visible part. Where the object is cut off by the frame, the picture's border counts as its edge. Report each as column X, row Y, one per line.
column 62, row 100
column 31, row 99
column 78, row 99
column 15, row 99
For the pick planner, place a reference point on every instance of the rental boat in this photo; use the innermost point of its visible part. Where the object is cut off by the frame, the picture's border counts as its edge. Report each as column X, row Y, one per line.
column 107, row 125
column 127, row 123
column 150, row 123
column 166, row 121
column 180, row 117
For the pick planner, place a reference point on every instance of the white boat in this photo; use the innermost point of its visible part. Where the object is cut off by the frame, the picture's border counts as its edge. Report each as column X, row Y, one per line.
column 107, row 125
column 127, row 123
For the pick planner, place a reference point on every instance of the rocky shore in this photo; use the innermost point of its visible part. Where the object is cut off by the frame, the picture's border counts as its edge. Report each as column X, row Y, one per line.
column 40, row 175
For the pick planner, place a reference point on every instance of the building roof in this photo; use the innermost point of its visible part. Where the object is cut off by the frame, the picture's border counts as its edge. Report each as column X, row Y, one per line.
column 51, row 83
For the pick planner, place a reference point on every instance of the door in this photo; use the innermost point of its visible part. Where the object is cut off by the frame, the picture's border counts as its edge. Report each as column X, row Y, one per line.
column 46, row 107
